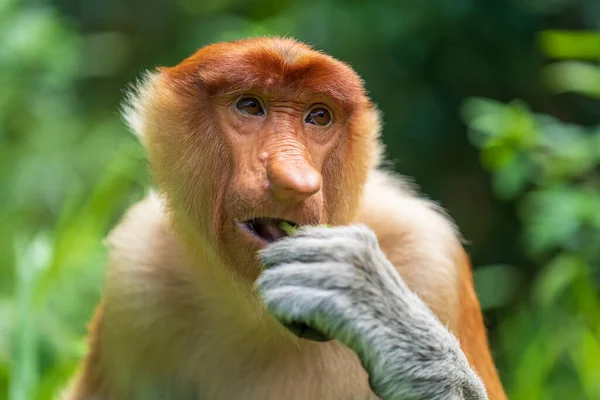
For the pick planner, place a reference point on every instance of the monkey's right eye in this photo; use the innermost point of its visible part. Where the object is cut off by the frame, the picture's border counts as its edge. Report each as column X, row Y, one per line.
column 250, row 106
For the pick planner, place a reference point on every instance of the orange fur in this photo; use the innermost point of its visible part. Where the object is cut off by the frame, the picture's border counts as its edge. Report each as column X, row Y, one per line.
column 471, row 332
column 89, row 377
column 179, row 309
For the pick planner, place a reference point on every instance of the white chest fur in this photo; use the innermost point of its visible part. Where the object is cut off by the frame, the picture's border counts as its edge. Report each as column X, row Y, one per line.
column 171, row 332
column 210, row 365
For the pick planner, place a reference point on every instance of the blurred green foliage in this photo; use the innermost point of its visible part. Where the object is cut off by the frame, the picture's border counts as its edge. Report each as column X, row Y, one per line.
column 550, row 170
column 68, row 168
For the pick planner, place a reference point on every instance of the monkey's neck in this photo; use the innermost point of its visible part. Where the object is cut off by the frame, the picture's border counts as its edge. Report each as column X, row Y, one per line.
column 228, row 303
column 231, row 306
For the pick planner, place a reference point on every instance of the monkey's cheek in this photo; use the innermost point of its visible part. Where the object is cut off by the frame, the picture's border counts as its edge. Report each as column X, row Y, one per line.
column 306, row 332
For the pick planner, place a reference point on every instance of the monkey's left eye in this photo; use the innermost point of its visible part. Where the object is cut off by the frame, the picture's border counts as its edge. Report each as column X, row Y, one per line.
column 250, row 106
column 318, row 116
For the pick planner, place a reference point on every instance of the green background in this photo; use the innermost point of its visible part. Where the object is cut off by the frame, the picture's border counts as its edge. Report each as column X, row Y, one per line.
column 491, row 106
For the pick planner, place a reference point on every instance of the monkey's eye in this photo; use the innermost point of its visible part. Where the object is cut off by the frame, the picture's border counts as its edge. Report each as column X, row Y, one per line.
column 250, row 106
column 318, row 116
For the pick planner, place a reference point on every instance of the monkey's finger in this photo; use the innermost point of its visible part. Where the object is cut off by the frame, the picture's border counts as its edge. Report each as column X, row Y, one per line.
column 332, row 276
column 299, row 324
column 292, row 304
column 320, row 310
column 312, row 250
column 358, row 231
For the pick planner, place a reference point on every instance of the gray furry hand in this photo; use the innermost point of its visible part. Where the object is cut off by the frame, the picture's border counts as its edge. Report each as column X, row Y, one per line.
column 338, row 282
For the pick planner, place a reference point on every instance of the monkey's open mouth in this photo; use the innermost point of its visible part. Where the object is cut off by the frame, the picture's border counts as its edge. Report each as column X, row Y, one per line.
column 267, row 229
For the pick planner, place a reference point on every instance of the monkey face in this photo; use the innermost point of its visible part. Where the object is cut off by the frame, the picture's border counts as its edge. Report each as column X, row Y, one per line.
column 245, row 135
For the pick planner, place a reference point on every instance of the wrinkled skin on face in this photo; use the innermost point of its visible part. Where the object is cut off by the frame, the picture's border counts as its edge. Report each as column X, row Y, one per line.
column 286, row 134
column 242, row 138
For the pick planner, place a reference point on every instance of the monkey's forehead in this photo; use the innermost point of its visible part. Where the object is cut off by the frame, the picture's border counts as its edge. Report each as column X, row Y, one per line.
column 271, row 64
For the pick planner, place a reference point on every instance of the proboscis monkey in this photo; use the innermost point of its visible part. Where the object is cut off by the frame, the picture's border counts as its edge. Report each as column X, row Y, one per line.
column 207, row 297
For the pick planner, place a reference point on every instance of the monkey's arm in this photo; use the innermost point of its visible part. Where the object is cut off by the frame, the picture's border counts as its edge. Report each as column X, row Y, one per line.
column 339, row 282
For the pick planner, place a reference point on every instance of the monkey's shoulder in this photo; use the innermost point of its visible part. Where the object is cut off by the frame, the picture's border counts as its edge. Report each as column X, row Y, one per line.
column 392, row 208
column 418, row 238
column 144, row 227
column 146, row 262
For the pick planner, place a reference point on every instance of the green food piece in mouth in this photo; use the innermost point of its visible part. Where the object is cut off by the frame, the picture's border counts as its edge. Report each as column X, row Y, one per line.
column 287, row 228
column 291, row 230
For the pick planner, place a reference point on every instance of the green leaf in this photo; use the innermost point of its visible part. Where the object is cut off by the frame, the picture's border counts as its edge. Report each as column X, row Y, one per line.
column 287, row 228
column 573, row 76
column 510, row 178
column 570, row 44
column 556, row 277
column 551, row 218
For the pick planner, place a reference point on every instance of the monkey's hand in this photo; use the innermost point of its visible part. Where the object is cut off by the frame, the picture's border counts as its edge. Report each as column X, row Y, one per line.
column 338, row 282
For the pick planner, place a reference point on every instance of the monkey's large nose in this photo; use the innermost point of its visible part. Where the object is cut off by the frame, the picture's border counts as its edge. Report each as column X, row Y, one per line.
column 293, row 180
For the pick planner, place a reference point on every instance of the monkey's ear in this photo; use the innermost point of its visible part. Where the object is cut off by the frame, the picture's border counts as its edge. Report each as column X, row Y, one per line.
column 138, row 99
